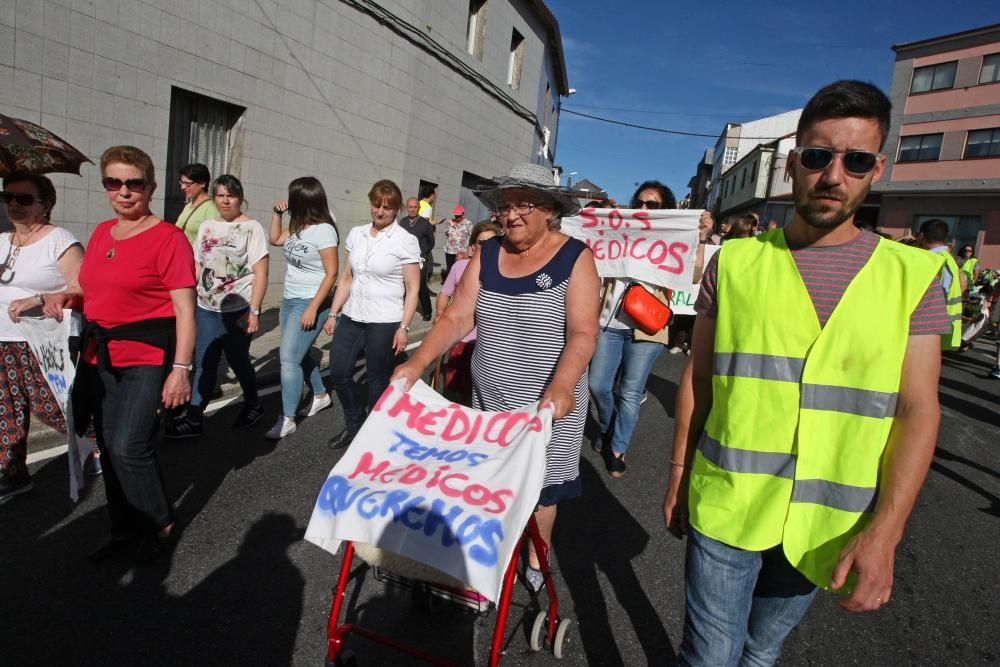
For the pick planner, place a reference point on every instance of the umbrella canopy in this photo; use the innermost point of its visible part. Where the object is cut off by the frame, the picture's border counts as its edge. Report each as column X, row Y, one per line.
column 25, row 146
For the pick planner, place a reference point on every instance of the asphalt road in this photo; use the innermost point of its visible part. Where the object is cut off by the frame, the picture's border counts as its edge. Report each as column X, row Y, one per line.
column 241, row 586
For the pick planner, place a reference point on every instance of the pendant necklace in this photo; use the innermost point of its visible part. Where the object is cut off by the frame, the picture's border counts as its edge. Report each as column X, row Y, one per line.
column 7, row 270
column 112, row 251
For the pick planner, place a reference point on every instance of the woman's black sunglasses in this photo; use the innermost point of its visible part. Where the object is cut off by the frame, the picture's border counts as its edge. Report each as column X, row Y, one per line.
column 115, row 184
column 22, row 198
column 817, row 157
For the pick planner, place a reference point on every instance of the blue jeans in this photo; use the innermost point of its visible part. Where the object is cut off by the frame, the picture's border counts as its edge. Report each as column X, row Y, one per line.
column 218, row 333
column 617, row 348
column 124, row 416
column 296, row 362
column 349, row 339
column 740, row 605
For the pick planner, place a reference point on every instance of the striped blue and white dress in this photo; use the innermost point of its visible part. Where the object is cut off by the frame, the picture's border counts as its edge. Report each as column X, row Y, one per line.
column 521, row 335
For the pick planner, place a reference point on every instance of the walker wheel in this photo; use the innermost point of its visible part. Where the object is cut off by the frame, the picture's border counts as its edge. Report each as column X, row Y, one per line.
column 538, row 629
column 560, row 641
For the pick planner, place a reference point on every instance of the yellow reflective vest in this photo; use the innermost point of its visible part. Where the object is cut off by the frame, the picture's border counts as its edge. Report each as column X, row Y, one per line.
column 969, row 269
column 953, row 300
column 792, row 448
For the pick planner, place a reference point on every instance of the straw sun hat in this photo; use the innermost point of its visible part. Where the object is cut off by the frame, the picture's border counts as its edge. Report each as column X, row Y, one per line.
column 528, row 176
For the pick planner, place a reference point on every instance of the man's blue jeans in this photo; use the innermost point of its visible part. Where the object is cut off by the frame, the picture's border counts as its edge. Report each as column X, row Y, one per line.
column 617, row 348
column 294, row 353
column 740, row 605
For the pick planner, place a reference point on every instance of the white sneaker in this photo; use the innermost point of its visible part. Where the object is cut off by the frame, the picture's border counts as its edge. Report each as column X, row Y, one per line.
column 675, row 350
column 284, row 426
column 318, row 403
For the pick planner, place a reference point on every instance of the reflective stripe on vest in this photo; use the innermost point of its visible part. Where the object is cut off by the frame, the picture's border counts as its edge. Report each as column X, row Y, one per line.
column 817, row 491
column 792, row 447
column 814, row 397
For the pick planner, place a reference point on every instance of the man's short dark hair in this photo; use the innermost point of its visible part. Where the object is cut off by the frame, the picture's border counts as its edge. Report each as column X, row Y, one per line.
column 847, row 99
column 427, row 189
column 934, row 230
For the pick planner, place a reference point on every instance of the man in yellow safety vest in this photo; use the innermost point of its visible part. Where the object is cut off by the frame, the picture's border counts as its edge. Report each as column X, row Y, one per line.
column 807, row 416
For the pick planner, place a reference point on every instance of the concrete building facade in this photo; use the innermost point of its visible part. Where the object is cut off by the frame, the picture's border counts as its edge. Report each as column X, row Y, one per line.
column 448, row 92
column 944, row 147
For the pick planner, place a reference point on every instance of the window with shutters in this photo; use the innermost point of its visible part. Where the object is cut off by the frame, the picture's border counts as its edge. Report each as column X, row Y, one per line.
column 205, row 130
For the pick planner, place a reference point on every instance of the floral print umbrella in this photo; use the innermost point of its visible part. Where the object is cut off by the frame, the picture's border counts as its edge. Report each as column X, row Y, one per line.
column 25, row 146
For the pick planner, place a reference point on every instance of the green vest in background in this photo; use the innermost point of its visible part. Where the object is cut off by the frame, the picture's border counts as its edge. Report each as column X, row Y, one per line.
column 953, row 301
column 792, row 448
column 969, row 268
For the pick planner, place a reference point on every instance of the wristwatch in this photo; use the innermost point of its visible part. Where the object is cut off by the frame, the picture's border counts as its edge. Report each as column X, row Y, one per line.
column 404, row 327
column 255, row 311
column 187, row 367
column 41, row 299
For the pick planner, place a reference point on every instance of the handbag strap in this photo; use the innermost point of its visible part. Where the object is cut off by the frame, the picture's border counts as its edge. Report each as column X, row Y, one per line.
column 188, row 218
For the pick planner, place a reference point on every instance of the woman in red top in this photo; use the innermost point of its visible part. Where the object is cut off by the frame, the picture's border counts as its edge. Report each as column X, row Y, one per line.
column 138, row 297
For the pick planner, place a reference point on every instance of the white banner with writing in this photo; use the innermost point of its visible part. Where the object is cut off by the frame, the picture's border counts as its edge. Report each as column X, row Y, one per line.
column 49, row 341
column 654, row 246
column 682, row 301
column 437, row 482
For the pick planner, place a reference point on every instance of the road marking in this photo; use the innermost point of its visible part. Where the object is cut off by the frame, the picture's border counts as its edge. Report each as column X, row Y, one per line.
column 212, row 408
column 46, row 454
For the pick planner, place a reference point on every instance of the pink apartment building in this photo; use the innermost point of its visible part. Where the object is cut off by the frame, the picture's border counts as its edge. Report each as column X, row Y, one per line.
column 944, row 146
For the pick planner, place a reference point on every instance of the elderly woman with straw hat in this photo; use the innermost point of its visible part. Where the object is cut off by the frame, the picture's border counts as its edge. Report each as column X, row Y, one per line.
column 533, row 290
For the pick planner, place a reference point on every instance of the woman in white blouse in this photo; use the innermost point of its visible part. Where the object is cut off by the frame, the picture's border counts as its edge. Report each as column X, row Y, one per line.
column 373, row 306
column 37, row 260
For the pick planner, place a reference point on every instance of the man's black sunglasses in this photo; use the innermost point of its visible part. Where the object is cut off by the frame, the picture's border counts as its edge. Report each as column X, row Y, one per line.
column 817, row 157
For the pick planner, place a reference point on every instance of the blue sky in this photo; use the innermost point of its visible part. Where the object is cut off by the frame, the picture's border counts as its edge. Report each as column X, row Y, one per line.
column 694, row 66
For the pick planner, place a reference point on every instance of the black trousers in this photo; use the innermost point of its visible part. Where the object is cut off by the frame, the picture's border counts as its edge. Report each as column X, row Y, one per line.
column 425, row 291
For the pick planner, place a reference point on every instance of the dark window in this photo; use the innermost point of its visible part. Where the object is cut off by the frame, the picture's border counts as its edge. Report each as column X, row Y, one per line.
column 202, row 130
column 516, row 59
column 743, row 177
column 991, row 69
column 983, row 143
column 919, row 147
column 753, row 173
column 934, row 77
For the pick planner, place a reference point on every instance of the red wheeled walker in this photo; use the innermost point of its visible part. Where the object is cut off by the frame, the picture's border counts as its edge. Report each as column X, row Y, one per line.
column 547, row 629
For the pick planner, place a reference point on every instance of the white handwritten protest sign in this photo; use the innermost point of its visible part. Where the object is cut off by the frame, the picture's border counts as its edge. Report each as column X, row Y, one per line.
column 49, row 341
column 655, row 246
column 437, row 482
column 682, row 301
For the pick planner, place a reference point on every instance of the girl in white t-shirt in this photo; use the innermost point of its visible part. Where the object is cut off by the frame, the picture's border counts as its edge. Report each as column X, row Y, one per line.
column 37, row 259
column 310, row 247
column 231, row 264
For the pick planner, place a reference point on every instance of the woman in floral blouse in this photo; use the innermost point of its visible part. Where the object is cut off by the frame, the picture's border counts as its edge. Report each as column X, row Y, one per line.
column 231, row 266
column 457, row 233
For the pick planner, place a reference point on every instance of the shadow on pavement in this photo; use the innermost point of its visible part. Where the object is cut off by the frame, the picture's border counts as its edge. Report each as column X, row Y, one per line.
column 594, row 534
column 60, row 608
